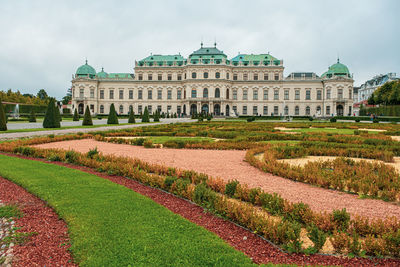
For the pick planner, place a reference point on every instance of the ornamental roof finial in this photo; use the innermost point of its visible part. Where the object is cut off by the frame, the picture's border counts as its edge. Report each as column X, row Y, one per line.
column 86, row 61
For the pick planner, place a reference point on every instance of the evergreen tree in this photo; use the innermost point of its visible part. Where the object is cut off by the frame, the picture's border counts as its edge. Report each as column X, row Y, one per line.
column 51, row 120
column 32, row 116
column 131, row 116
column 157, row 116
column 145, row 116
column 112, row 116
column 87, row 118
column 76, row 115
column 3, row 123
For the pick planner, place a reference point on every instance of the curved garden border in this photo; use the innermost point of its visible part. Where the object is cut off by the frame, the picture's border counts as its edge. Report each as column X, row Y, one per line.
column 49, row 243
column 260, row 250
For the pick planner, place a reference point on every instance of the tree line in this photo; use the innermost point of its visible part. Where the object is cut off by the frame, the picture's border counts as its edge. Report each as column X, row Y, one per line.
column 387, row 94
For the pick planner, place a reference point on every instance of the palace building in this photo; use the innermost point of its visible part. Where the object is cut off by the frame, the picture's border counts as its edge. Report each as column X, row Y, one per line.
column 207, row 81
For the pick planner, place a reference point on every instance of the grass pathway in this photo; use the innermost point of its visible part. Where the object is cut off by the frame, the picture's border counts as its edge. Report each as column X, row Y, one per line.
column 110, row 225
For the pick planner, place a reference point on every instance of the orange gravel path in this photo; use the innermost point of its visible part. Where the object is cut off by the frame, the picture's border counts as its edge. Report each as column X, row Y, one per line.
column 229, row 164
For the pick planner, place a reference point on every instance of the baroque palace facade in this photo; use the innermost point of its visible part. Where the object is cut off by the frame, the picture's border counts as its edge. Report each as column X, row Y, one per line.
column 207, row 81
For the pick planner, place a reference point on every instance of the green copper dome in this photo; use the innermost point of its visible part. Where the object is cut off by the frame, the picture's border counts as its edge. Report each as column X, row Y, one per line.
column 337, row 69
column 86, row 70
column 102, row 74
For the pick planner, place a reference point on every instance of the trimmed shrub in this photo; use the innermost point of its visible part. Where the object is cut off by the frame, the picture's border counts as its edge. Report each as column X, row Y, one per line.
column 204, row 196
column 341, row 219
column 87, row 118
column 112, row 116
column 157, row 116
column 317, row 236
column 76, row 115
column 92, row 152
column 230, row 188
column 146, row 116
column 310, row 118
column 375, row 120
column 58, row 115
column 148, row 143
column 168, row 182
column 332, row 120
column 355, row 245
column 32, row 116
column 357, row 120
column 51, row 120
column 131, row 116
column 3, row 119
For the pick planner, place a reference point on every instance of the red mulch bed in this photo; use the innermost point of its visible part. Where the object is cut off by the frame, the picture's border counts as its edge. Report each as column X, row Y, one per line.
column 259, row 250
column 43, row 248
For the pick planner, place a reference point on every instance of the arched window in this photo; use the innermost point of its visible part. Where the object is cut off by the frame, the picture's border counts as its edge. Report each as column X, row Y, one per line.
column 101, row 109
column 194, row 93
column 121, row 109
column 296, row 110
column 217, row 93
column 205, row 92
column 194, row 75
column 217, row 75
column 308, row 110
column 319, row 110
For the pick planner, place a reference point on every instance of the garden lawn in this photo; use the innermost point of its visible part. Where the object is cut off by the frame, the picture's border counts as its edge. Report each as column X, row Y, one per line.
column 110, row 225
column 163, row 139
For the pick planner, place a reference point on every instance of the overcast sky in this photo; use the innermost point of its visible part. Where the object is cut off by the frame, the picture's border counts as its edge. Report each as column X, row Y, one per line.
column 43, row 42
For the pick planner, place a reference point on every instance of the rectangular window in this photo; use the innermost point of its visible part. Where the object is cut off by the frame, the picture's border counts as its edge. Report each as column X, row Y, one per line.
column 227, row 75
column 328, row 94
column 111, row 94
column 159, row 108
column 297, row 95
column 217, row 75
column 150, row 77
column 235, row 109
column 194, row 75
column 265, row 95
column 265, row 110
column 101, row 94
column 205, row 75
column 296, row 110
column 169, row 77
column 179, row 110
column 255, row 94
column 140, row 109
column 235, row 77
column 179, row 77
column 276, row 76
column 150, row 109
column 81, row 92
column 349, row 110
column 140, row 77
column 92, row 108
column 340, row 93
column 169, row 109
column 308, row 95
column 319, row 95
column 350, row 93
column 244, row 94
column 234, row 94
column 140, row 94
column 150, row 94
column 194, row 93
column 159, row 94
column 91, row 93
column 286, row 95
column 255, row 112
column 276, row 110
column 121, row 94
column 130, row 94
column 159, row 77
column 265, row 76
column 244, row 110
column 256, row 77
column 276, row 94
column 245, row 76
column 169, row 94
column 328, row 110
column 179, row 94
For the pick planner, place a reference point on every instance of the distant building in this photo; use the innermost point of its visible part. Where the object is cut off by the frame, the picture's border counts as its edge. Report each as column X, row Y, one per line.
column 367, row 88
column 207, row 81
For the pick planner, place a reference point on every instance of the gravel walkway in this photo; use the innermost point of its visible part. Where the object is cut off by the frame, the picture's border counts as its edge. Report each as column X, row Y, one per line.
column 229, row 164
column 6, row 136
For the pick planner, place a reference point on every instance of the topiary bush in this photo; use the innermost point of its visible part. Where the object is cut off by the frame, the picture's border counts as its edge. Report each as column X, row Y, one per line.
column 51, row 120
column 131, row 116
column 146, row 116
column 112, row 115
column 332, row 120
column 3, row 119
column 317, row 236
column 32, row 116
column 87, row 118
column 230, row 188
column 157, row 116
column 310, row 118
column 341, row 219
column 76, row 115
column 58, row 115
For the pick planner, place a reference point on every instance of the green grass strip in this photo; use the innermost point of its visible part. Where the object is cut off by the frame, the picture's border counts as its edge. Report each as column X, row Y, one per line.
column 111, row 225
